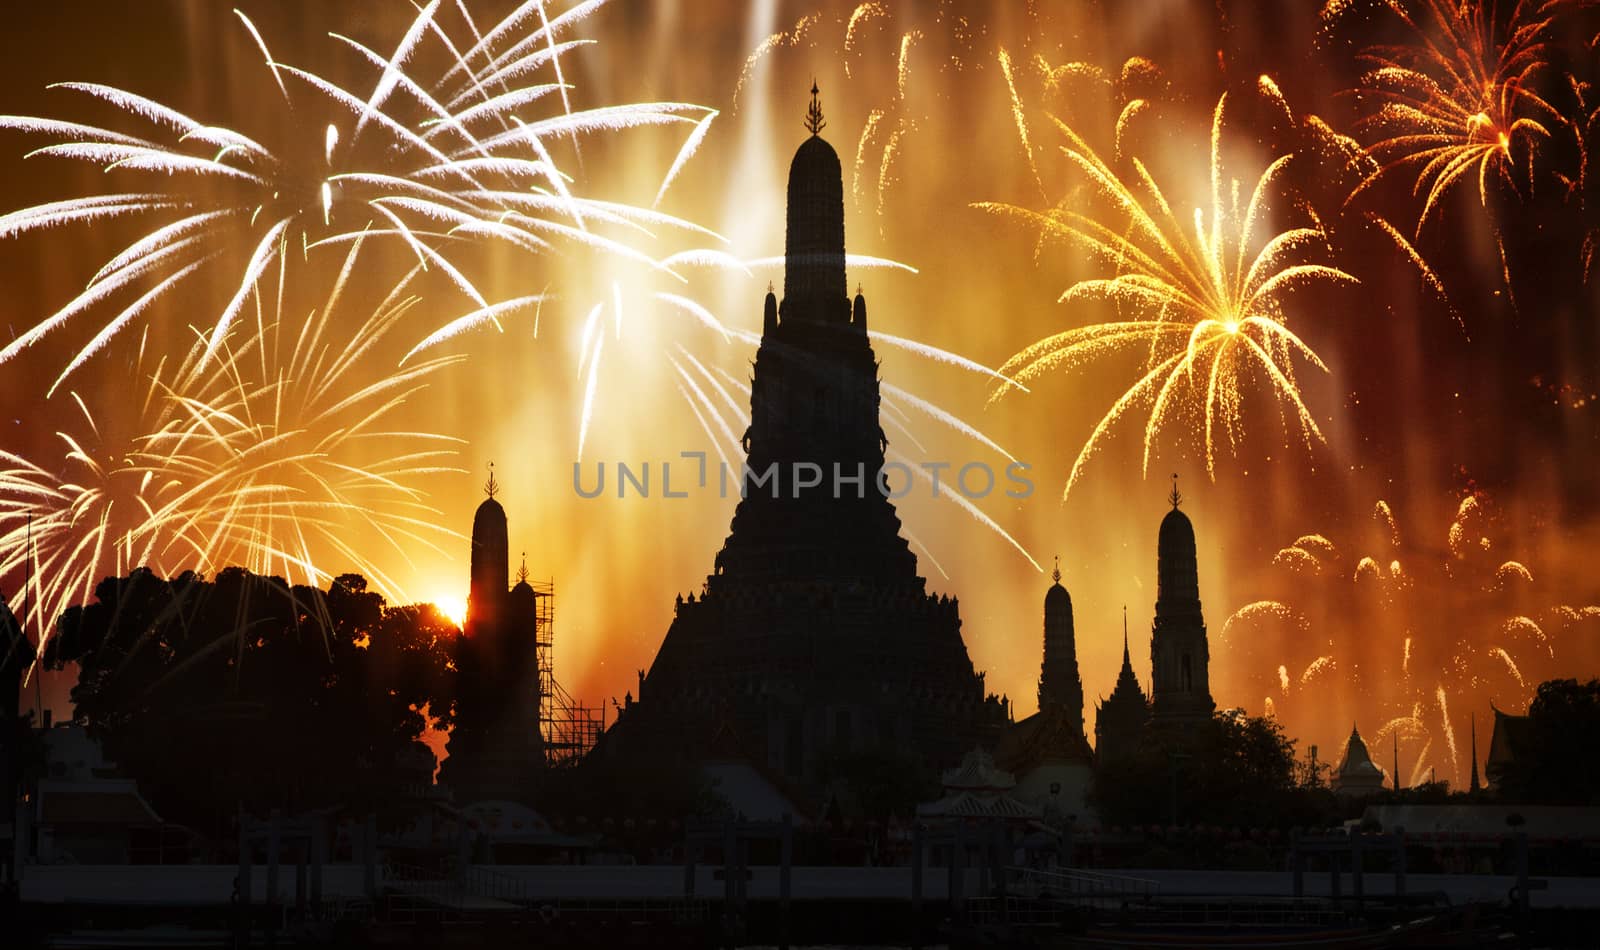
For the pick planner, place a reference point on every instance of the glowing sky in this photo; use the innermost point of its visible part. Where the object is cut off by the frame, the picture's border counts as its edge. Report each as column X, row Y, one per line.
column 1414, row 408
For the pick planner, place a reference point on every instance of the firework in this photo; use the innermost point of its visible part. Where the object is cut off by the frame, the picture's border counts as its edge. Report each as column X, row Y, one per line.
column 1209, row 293
column 429, row 166
column 276, row 454
column 1459, row 621
column 1459, row 103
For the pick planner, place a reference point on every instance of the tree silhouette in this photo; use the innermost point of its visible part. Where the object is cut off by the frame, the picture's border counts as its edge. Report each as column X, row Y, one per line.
column 247, row 690
column 1556, row 756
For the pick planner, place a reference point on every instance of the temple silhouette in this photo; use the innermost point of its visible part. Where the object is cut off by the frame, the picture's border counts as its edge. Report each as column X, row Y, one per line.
column 1180, row 654
column 814, row 634
column 496, row 748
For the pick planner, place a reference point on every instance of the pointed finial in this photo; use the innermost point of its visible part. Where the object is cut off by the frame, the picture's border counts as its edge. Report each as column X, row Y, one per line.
column 1125, row 659
column 1175, row 498
column 522, row 572
column 769, row 287
column 491, row 487
column 858, row 290
column 1055, row 575
column 814, row 114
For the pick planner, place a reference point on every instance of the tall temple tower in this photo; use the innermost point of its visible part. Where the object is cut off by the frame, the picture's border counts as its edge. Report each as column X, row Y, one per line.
column 496, row 751
column 1059, row 683
column 813, row 634
column 1180, row 687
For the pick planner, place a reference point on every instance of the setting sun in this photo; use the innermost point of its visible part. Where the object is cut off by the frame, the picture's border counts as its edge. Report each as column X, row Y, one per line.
column 450, row 604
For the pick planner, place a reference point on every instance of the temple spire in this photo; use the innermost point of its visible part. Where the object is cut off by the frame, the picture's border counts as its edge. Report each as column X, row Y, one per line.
column 1475, row 786
column 1055, row 575
column 491, row 487
column 1126, row 659
column 814, row 120
column 522, row 572
column 1175, row 498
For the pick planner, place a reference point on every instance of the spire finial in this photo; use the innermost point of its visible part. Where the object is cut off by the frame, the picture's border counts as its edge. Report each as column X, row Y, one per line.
column 1125, row 658
column 1055, row 575
column 814, row 114
column 491, row 487
column 1175, row 498
column 858, row 289
column 522, row 572
column 769, row 287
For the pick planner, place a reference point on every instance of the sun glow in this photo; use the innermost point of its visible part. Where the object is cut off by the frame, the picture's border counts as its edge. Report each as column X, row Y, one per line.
column 450, row 603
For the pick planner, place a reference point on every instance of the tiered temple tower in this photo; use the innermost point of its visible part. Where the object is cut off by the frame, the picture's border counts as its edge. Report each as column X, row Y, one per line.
column 1060, row 687
column 1180, row 688
column 814, row 634
column 496, row 751
column 1120, row 721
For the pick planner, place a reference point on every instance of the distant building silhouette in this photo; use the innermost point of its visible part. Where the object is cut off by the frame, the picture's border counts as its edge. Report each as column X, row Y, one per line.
column 1180, row 692
column 1059, row 683
column 1511, row 734
column 1357, row 776
column 1180, row 658
column 1047, row 751
column 814, row 635
column 496, row 751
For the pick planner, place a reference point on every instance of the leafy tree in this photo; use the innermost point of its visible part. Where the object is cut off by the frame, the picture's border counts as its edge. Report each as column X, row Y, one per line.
column 882, row 782
column 1556, row 752
column 1231, row 770
column 247, row 690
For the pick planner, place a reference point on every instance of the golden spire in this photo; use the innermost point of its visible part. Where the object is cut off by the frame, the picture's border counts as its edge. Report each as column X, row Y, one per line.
column 814, row 114
column 491, row 487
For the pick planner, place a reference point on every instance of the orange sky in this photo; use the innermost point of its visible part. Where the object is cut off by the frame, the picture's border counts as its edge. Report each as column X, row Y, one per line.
column 926, row 81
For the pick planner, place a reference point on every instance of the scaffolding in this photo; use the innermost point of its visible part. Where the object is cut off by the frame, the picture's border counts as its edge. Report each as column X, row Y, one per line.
column 569, row 728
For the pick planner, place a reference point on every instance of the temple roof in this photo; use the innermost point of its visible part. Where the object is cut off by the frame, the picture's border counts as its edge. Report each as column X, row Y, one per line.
column 1356, row 759
column 814, row 236
column 977, row 773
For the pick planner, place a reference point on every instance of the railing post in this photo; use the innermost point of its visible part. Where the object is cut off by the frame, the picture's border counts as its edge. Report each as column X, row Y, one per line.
column 319, row 857
column 370, row 875
column 958, row 861
column 1355, row 864
column 1297, row 862
column 785, row 860
column 1399, row 861
column 917, row 845
column 274, row 911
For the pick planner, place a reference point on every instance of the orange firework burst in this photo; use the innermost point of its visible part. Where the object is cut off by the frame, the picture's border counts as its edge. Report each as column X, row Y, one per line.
column 1459, row 102
column 1208, row 296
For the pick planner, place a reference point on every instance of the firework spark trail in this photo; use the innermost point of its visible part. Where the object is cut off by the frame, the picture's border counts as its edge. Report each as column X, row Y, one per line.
column 1264, row 610
column 1449, row 730
column 1421, row 767
column 1283, row 678
column 1512, row 570
column 790, row 37
column 261, row 458
column 462, row 157
column 1510, row 665
column 1454, row 104
column 860, row 15
column 1213, row 289
column 1320, row 665
column 1021, row 118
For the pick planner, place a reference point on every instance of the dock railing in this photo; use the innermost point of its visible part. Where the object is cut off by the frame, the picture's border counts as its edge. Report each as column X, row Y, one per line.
column 1073, row 886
